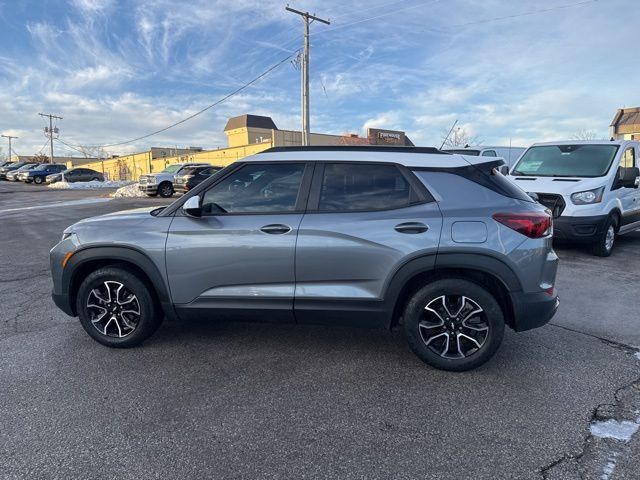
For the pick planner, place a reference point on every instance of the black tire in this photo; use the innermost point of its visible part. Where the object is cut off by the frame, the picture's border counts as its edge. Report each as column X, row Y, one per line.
column 95, row 179
column 165, row 189
column 149, row 318
column 602, row 246
column 37, row 180
column 434, row 345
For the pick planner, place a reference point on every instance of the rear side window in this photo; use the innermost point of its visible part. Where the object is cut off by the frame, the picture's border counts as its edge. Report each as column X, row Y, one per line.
column 489, row 153
column 353, row 187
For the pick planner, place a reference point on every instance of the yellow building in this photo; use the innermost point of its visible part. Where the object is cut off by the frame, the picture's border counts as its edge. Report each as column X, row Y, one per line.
column 246, row 135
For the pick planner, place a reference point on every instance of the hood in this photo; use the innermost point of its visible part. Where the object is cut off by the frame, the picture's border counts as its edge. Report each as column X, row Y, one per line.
column 560, row 185
column 129, row 217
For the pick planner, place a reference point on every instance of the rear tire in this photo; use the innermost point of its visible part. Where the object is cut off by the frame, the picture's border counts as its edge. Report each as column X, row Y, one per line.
column 453, row 324
column 605, row 240
column 116, row 308
column 165, row 189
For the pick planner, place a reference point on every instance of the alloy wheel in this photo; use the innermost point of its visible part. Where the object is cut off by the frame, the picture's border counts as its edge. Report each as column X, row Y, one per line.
column 454, row 326
column 610, row 238
column 113, row 310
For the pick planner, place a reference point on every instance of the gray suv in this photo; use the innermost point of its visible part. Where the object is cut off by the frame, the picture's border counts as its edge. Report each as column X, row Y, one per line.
column 371, row 236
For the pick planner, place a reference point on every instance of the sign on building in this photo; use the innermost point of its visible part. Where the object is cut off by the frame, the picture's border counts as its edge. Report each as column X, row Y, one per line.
column 378, row 136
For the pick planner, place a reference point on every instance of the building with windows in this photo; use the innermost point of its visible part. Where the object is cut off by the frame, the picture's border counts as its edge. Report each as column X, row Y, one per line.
column 246, row 135
column 626, row 124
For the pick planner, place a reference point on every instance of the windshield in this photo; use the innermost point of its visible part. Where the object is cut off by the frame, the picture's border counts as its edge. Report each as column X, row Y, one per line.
column 462, row 151
column 566, row 161
column 171, row 169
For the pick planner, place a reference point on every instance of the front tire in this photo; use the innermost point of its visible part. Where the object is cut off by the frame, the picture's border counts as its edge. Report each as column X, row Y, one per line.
column 165, row 189
column 606, row 239
column 116, row 308
column 37, row 180
column 453, row 324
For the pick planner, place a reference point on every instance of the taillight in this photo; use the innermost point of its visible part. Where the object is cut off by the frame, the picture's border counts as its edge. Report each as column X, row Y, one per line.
column 531, row 224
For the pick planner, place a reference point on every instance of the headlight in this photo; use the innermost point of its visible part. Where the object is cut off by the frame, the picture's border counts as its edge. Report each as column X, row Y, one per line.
column 588, row 196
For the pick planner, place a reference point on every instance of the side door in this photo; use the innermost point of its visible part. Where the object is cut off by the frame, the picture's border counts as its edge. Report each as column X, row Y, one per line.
column 363, row 222
column 629, row 197
column 238, row 257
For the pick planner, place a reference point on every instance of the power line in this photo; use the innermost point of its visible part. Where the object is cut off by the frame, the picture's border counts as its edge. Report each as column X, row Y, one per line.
column 223, row 99
column 524, row 14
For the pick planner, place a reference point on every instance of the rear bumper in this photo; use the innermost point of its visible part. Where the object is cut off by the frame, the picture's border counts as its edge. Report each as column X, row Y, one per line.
column 533, row 310
column 578, row 229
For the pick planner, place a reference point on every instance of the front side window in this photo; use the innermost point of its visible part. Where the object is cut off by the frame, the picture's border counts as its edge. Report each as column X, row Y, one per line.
column 589, row 160
column 256, row 188
column 348, row 186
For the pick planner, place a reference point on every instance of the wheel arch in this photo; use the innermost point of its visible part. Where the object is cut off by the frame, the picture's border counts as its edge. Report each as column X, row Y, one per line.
column 486, row 271
column 87, row 260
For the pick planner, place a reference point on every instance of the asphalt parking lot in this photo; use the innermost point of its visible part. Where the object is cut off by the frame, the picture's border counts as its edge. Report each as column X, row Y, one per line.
column 238, row 400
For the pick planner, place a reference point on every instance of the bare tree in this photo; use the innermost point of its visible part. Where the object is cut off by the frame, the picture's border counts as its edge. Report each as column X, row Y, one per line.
column 584, row 135
column 92, row 152
column 40, row 158
column 459, row 138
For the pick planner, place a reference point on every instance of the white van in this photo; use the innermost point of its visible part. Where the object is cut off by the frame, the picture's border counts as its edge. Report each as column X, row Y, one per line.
column 591, row 187
column 509, row 154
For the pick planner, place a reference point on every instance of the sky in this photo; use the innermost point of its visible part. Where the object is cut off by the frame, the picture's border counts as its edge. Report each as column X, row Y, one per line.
column 510, row 71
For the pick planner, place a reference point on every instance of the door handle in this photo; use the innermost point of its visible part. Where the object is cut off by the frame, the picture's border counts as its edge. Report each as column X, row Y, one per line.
column 411, row 227
column 276, row 229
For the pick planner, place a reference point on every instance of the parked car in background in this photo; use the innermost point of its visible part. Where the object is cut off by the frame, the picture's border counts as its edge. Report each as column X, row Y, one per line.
column 6, row 163
column 591, row 187
column 370, row 236
column 9, row 168
column 12, row 176
column 510, row 154
column 76, row 175
column 161, row 183
column 39, row 174
column 189, row 177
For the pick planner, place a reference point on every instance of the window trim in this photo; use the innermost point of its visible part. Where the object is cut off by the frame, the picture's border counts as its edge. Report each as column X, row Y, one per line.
column 416, row 188
column 301, row 200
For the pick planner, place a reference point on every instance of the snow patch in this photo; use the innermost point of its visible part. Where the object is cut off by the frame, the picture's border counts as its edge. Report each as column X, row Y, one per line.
column 622, row 430
column 128, row 191
column 638, row 355
column 95, row 184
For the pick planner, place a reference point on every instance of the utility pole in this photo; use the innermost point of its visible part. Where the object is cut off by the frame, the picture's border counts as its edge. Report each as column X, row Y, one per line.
column 9, row 137
column 305, row 70
column 50, row 131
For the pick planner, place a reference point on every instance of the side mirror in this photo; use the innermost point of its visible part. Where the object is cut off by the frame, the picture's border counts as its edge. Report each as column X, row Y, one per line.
column 192, row 207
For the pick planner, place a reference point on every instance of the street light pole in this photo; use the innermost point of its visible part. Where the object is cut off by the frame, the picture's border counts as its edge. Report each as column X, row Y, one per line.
column 305, row 71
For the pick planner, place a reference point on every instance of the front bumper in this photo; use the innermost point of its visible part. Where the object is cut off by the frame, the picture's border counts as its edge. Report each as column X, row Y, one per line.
column 62, row 302
column 147, row 188
column 533, row 310
column 578, row 229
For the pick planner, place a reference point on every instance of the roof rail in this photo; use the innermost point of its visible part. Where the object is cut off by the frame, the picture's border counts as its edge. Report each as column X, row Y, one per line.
column 355, row 148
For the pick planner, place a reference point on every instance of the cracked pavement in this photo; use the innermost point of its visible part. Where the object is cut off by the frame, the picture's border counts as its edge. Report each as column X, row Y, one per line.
column 246, row 400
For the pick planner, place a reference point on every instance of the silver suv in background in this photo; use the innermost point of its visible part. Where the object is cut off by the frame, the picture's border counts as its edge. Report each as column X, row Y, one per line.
column 162, row 183
column 449, row 250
